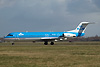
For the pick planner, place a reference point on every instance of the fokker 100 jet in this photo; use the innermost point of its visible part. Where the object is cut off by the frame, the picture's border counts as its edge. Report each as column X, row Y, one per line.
column 46, row 36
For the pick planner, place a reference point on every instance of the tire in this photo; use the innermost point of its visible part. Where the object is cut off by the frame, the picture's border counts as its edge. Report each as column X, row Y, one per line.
column 52, row 43
column 12, row 43
column 45, row 43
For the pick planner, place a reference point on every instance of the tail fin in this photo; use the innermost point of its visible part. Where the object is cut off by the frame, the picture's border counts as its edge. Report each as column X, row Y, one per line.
column 81, row 28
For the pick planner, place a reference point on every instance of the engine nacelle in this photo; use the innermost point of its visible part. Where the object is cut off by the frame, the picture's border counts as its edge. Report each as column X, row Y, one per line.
column 69, row 35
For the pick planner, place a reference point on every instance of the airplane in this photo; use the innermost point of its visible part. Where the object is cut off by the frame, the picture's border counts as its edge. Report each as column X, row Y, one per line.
column 46, row 36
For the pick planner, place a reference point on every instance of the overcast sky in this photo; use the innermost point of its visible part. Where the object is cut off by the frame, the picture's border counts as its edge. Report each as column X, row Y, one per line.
column 48, row 15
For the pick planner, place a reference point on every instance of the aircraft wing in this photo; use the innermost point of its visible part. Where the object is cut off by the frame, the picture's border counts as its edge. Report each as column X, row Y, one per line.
column 49, row 38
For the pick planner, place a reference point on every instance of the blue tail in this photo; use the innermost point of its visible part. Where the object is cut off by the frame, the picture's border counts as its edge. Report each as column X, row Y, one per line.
column 80, row 29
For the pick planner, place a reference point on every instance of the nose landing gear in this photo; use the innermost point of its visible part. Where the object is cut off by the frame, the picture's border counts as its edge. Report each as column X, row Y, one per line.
column 13, row 43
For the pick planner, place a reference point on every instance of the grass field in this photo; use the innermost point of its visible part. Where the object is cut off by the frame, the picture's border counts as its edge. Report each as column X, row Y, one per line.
column 76, row 54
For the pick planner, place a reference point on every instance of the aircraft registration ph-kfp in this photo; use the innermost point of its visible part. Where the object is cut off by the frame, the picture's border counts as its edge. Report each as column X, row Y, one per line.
column 46, row 36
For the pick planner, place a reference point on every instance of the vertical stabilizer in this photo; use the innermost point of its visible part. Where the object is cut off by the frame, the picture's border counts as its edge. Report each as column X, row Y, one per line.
column 81, row 28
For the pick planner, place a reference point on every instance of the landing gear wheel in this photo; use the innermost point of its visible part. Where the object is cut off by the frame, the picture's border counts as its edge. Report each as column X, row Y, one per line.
column 12, row 43
column 45, row 43
column 52, row 43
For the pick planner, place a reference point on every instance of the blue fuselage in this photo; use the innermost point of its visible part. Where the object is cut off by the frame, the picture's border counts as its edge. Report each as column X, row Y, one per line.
column 38, row 34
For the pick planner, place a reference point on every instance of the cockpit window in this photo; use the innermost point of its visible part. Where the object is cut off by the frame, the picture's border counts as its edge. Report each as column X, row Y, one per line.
column 9, row 35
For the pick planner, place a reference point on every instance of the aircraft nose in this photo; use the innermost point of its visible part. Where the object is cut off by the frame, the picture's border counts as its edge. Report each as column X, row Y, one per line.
column 4, row 36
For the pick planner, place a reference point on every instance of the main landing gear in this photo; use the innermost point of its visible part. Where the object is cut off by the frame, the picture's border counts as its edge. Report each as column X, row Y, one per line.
column 52, row 43
column 46, row 43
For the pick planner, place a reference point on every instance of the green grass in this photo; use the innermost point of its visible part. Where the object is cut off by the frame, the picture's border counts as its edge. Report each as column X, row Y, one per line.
column 76, row 54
